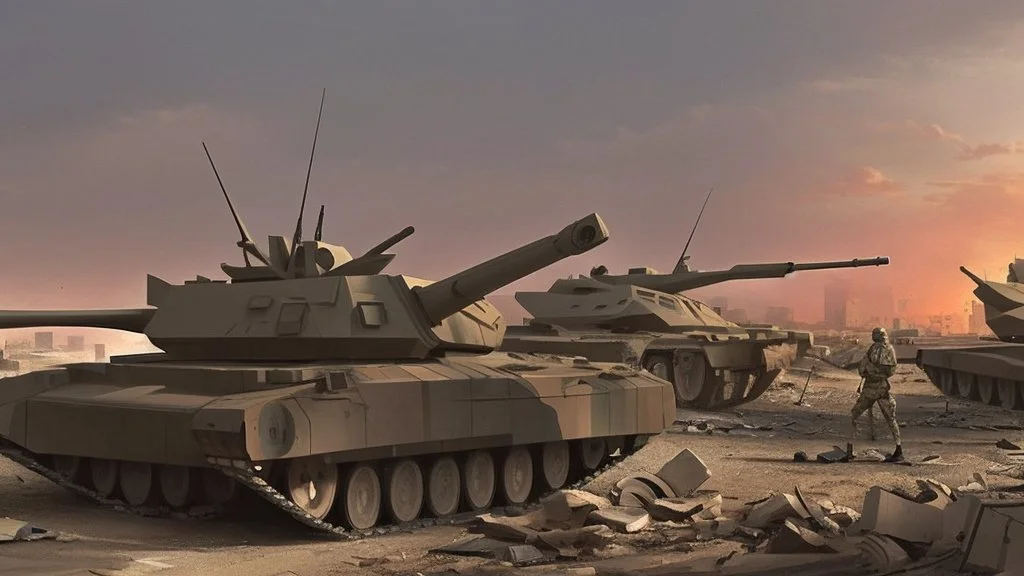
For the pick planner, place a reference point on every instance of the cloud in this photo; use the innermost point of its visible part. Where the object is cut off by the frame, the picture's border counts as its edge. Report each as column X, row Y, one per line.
column 967, row 151
column 864, row 181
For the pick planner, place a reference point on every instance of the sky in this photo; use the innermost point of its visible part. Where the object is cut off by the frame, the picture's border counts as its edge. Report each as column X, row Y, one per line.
column 830, row 130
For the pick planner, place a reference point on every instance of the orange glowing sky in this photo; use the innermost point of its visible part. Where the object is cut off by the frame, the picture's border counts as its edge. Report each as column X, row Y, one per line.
column 830, row 130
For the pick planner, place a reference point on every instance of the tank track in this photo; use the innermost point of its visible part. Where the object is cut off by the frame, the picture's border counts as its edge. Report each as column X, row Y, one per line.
column 243, row 473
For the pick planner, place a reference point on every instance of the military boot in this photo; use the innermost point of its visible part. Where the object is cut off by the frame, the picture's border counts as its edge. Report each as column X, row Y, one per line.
column 897, row 456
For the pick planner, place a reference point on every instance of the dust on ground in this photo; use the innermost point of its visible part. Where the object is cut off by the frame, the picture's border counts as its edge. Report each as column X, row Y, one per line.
column 749, row 452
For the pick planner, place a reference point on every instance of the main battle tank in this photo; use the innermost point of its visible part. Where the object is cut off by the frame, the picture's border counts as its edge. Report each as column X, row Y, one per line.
column 987, row 372
column 330, row 389
column 641, row 318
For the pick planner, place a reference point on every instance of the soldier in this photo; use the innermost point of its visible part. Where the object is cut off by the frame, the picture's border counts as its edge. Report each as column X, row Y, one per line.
column 878, row 365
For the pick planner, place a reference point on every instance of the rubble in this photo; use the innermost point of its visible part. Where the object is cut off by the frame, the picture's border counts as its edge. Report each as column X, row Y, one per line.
column 12, row 530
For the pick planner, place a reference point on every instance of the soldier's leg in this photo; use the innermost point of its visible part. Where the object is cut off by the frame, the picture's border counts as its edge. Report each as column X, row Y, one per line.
column 859, row 407
column 887, row 405
column 871, row 422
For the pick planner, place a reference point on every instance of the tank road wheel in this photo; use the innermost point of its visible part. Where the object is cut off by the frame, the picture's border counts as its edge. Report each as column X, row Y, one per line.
column 590, row 452
column 104, row 476
column 177, row 485
column 517, row 475
column 405, row 491
column 947, row 382
column 690, row 380
column 137, row 480
column 362, row 497
column 965, row 386
column 312, row 484
column 69, row 467
column 478, row 480
column 986, row 386
column 444, row 486
column 554, row 465
column 1008, row 394
column 219, row 488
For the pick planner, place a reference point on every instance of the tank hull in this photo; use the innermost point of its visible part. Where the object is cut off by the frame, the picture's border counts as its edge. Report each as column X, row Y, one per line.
column 987, row 374
column 705, row 374
column 139, row 429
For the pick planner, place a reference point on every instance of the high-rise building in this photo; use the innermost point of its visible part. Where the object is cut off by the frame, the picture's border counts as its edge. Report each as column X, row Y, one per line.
column 76, row 343
column 976, row 320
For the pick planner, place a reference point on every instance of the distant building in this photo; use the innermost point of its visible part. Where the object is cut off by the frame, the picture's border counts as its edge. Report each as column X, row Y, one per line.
column 779, row 315
column 719, row 302
column 737, row 315
column 76, row 343
column 837, row 296
column 44, row 340
column 100, row 351
column 976, row 320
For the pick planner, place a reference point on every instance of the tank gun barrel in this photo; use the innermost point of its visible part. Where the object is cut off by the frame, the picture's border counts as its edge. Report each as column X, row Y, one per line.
column 385, row 245
column 682, row 281
column 129, row 320
column 446, row 297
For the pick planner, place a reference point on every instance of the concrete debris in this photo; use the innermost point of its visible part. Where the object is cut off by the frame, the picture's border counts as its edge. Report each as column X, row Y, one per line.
column 775, row 508
column 1007, row 445
column 890, row 514
column 988, row 535
column 684, row 473
column 935, row 493
column 795, row 539
column 836, row 454
column 523, row 555
column 621, row 518
column 678, row 509
column 883, row 552
column 817, row 514
column 11, row 530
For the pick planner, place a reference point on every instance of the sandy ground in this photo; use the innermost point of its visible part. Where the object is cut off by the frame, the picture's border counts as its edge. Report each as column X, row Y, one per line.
column 746, row 462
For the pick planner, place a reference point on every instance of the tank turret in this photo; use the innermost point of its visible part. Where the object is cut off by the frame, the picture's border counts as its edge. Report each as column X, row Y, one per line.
column 328, row 316
column 1004, row 306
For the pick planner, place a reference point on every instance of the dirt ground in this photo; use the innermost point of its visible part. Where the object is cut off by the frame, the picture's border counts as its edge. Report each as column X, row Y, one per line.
column 748, row 450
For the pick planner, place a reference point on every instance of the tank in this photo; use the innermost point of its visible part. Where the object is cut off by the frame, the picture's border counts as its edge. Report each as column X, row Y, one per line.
column 346, row 397
column 989, row 372
column 643, row 319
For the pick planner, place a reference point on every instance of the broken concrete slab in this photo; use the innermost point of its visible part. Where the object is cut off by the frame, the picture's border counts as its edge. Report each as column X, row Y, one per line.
column 523, row 555
column 892, row 515
column 794, row 539
column 817, row 514
column 883, row 552
column 684, row 473
column 935, row 493
column 988, row 533
column 679, row 509
column 621, row 519
column 482, row 546
column 11, row 530
column 509, row 528
column 578, row 498
column 566, row 542
column 775, row 508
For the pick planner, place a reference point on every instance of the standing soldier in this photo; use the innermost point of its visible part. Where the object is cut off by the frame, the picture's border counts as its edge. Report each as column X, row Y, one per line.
column 878, row 365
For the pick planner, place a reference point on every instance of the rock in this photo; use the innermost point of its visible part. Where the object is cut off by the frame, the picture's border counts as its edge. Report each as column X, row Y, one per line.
column 684, row 473
column 621, row 519
column 1007, row 445
column 800, row 456
column 794, row 539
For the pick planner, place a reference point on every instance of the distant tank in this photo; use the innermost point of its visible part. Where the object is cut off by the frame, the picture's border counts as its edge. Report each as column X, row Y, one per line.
column 986, row 372
column 333, row 391
column 642, row 318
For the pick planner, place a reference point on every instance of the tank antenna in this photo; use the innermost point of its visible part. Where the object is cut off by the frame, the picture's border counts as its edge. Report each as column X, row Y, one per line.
column 246, row 243
column 305, row 190
column 319, row 233
column 681, row 265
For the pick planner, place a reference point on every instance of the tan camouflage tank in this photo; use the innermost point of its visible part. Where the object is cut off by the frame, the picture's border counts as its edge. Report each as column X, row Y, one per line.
column 346, row 397
column 987, row 372
column 644, row 319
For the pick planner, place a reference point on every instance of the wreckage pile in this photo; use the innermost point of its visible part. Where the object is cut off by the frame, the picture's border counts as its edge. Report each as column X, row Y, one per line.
column 895, row 531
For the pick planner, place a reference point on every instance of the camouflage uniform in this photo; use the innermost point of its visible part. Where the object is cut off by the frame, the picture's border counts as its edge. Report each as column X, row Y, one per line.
column 878, row 365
